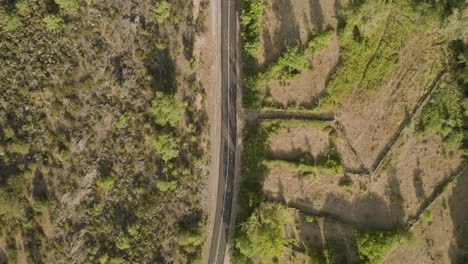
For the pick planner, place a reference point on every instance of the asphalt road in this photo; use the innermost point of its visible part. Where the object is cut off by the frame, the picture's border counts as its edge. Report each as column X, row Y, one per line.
column 229, row 128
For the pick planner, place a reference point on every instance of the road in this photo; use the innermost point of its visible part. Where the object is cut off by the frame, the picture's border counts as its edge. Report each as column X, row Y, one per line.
column 227, row 166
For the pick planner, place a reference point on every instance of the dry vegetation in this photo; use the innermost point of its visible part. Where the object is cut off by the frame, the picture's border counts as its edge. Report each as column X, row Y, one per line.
column 102, row 137
column 379, row 182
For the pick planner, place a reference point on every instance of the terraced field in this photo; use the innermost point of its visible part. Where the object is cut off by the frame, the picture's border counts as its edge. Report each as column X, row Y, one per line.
column 355, row 133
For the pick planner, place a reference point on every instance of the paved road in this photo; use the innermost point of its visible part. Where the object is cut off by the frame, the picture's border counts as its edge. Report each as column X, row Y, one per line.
column 229, row 128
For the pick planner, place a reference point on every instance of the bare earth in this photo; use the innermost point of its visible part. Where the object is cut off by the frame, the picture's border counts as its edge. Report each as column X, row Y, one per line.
column 209, row 50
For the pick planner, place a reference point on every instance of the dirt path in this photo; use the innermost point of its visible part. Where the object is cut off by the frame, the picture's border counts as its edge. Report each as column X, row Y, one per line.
column 211, row 77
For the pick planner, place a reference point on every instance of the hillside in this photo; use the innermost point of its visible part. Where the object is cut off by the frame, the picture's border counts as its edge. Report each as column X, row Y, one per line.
column 103, row 136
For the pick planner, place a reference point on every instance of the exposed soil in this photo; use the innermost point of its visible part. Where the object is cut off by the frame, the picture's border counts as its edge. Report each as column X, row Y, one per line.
column 292, row 22
column 444, row 238
column 386, row 200
column 291, row 143
column 313, row 236
column 310, row 84
column 418, row 165
column 371, row 120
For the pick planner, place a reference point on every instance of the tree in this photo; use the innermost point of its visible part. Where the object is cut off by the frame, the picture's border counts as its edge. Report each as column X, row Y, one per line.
column 167, row 109
column 166, row 146
column 52, row 22
column 373, row 246
column 263, row 234
column 162, row 10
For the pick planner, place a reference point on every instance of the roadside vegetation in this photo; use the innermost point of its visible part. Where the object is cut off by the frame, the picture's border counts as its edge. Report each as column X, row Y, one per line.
column 102, row 149
column 266, row 239
column 251, row 21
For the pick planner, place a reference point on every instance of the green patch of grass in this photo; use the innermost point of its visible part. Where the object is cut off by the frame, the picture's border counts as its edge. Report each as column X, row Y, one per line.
column 426, row 216
column 370, row 46
column 444, row 115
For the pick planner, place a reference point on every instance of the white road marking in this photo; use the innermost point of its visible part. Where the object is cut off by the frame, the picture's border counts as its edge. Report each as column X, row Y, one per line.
column 227, row 165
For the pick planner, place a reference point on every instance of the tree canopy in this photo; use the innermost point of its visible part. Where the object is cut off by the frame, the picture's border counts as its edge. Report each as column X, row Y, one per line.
column 264, row 234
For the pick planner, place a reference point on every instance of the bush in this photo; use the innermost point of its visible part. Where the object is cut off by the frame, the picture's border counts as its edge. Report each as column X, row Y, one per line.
column 251, row 19
column 263, row 233
column 162, row 10
column 19, row 147
column 10, row 22
column 373, row 246
column 71, row 6
column 444, row 115
column 122, row 242
column 168, row 109
column 426, row 216
column 52, row 22
column 105, row 182
column 166, row 146
column 288, row 66
column 165, row 186
column 122, row 122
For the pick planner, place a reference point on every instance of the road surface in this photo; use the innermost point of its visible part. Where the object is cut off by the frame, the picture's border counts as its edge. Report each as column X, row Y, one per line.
column 229, row 131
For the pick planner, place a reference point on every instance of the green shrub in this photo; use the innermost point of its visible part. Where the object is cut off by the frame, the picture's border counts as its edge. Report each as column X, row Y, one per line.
column 105, row 182
column 167, row 109
column 122, row 122
column 288, row 66
column 309, row 219
column 444, row 115
column 122, row 242
column 251, row 19
column 166, row 146
column 8, row 132
column 52, row 22
column 165, row 186
column 263, row 234
column 162, row 10
column 426, row 216
column 373, row 246
column 22, row 6
column 19, row 147
column 71, row 6
column 10, row 22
